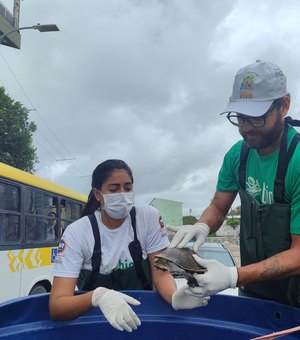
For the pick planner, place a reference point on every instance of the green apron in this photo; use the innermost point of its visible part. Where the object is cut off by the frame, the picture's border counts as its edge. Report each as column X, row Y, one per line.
column 119, row 279
column 265, row 231
column 137, row 277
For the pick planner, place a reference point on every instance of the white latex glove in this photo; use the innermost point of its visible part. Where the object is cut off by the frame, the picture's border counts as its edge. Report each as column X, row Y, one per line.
column 186, row 233
column 115, row 307
column 216, row 278
column 182, row 300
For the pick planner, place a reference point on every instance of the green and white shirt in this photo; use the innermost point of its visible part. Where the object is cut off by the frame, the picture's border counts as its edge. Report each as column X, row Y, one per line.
column 260, row 176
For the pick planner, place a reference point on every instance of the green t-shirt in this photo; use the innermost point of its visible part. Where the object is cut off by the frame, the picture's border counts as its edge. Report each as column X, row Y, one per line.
column 260, row 176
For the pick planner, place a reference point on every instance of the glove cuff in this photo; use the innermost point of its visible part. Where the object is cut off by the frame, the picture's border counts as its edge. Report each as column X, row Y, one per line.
column 203, row 226
column 233, row 277
column 98, row 295
column 174, row 304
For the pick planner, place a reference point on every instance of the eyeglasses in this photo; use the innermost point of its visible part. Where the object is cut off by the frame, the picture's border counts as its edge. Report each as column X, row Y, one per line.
column 239, row 119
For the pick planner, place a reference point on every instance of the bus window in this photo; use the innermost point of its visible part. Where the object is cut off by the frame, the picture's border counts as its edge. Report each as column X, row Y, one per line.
column 75, row 211
column 28, row 201
column 70, row 212
column 39, row 203
column 40, row 224
column 9, row 221
column 9, row 197
column 32, row 232
column 9, row 228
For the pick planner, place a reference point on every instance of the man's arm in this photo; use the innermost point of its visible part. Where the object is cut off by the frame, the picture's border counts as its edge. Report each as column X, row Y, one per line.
column 209, row 222
column 278, row 266
column 219, row 277
column 216, row 212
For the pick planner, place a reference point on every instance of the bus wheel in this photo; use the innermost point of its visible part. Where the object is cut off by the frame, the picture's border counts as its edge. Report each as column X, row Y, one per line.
column 38, row 289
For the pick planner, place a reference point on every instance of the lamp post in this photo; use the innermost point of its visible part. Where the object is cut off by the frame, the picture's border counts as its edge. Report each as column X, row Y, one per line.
column 39, row 27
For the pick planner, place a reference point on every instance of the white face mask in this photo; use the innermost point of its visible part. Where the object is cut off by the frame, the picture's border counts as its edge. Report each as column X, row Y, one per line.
column 118, row 205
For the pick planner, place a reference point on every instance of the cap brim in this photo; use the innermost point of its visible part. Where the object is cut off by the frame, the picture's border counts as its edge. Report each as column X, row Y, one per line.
column 248, row 108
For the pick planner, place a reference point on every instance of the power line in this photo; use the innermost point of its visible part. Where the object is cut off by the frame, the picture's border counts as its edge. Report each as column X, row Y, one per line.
column 51, row 144
column 33, row 107
column 69, row 155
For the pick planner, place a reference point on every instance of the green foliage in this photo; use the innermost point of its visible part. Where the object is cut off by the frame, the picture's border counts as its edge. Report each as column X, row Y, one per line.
column 189, row 220
column 233, row 222
column 16, row 131
column 193, row 220
column 212, row 235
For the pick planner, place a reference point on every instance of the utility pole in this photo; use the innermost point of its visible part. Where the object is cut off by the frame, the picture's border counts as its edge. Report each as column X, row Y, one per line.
column 16, row 13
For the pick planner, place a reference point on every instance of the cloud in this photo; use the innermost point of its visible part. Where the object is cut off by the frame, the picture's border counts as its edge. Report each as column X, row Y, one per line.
column 144, row 81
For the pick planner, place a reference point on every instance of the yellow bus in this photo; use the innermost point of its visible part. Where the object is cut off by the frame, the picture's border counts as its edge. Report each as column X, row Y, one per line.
column 33, row 214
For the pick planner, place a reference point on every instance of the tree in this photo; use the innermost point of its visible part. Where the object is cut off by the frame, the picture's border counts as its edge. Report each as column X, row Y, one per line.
column 189, row 219
column 16, row 131
column 233, row 222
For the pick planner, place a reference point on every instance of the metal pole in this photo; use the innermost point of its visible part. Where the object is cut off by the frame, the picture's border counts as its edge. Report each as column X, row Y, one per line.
column 41, row 28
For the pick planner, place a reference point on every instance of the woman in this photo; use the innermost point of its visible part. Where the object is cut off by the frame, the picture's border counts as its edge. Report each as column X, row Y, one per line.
column 110, row 204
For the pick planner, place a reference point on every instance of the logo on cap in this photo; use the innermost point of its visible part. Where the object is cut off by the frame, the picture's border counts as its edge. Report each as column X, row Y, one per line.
column 246, row 87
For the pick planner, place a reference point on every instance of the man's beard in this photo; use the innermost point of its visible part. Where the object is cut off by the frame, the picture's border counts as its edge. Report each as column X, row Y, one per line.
column 266, row 139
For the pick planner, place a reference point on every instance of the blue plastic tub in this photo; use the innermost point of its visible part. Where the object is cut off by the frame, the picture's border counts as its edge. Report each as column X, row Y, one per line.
column 225, row 317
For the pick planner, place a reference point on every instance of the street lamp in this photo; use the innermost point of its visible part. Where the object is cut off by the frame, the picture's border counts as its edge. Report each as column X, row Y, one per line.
column 39, row 27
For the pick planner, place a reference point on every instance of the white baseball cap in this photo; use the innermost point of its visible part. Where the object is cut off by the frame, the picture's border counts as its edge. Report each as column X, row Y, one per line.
column 255, row 88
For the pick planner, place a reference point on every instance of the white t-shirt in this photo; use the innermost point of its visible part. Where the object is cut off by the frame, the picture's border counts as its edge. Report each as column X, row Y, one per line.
column 77, row 243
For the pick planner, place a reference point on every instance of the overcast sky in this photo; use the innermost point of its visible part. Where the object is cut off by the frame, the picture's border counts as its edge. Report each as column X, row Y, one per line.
column 143, row 81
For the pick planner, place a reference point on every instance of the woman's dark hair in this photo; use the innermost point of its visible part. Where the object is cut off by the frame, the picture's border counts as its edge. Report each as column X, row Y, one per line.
column 100, row 174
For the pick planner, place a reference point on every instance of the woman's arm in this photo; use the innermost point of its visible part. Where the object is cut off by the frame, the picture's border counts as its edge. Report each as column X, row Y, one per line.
column 163, row 281
column 167, row 288
column 115, row 306
column 63, row 304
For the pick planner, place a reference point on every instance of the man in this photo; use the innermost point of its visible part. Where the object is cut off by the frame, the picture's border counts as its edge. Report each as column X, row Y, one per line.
column 265, row 170
column 51, row 233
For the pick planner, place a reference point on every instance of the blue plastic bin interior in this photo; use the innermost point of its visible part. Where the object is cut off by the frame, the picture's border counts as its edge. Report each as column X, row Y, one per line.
column 225, row 317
